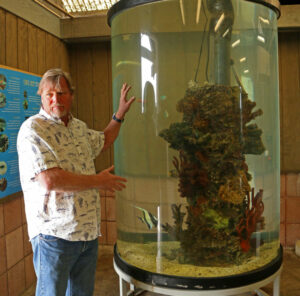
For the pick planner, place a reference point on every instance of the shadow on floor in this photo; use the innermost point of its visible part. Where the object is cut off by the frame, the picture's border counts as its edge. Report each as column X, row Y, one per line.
column 107, row 281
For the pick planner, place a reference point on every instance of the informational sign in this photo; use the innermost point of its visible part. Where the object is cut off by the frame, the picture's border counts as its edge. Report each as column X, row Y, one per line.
column 18, row 101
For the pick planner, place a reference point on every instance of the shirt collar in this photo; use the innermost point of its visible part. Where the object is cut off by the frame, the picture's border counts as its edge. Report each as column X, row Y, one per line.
column 55, row 119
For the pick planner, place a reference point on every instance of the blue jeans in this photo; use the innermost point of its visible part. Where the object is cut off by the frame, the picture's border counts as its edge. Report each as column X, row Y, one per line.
column 64, row 268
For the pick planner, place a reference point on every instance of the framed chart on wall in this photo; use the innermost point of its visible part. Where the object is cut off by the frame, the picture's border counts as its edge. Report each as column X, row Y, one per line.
column 18, row 101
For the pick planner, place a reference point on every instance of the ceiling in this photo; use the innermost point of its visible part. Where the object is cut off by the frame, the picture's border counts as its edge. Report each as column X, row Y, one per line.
column 76, row 8
column 80, row 8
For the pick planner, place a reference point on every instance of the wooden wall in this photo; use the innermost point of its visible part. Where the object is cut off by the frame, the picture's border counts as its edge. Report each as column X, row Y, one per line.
column 31, row 49
column 289, row 84
column 91, row 72
column 90, row 67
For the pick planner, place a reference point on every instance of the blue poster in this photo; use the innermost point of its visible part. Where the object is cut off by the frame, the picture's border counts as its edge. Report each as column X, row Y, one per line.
column 18, row 101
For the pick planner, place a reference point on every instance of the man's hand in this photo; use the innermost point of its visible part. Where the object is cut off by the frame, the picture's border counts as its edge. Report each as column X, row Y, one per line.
column 112, row 130
column 124, row 104
column 111, row 182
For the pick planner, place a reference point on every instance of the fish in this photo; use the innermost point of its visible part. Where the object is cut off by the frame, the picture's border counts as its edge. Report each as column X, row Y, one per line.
column 149, row 219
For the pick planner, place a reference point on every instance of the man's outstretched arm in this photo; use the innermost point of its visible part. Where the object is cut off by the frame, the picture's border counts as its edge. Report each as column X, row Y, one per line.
column 59, row 180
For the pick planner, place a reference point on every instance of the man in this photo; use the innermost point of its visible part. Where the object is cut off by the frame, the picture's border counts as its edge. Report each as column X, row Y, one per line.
column 60, row 187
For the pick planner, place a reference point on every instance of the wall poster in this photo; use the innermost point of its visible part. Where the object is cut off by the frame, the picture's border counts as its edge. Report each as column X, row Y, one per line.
column 18, row 101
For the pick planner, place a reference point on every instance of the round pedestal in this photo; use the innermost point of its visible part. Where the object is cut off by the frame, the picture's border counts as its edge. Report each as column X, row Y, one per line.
column 177, row 285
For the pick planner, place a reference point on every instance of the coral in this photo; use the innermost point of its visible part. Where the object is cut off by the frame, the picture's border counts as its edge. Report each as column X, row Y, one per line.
column 252, row 218
column 212, row 140
column 235, row 189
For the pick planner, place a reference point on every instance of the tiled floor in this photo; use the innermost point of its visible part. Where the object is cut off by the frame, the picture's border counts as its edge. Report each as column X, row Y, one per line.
column 107, row 282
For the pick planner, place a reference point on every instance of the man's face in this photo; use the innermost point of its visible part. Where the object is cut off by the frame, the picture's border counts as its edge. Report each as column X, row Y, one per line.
column 57, row 101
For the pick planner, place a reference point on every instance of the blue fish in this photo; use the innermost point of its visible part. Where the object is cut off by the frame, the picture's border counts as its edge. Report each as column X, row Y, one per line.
column 149, row 219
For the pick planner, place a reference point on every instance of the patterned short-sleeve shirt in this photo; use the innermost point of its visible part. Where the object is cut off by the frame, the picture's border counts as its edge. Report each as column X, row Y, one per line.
column 44, row 143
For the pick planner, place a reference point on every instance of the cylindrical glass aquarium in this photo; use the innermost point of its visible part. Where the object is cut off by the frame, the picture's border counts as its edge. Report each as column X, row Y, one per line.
column 200, row 146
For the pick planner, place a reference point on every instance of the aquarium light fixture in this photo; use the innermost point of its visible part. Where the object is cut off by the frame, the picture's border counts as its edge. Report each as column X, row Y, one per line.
column 75, row 6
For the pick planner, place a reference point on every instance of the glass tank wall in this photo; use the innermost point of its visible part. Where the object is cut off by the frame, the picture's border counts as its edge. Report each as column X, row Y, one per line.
column 200, row 146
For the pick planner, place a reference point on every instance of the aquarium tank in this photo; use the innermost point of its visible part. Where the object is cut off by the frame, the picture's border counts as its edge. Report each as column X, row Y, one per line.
column 200, row 146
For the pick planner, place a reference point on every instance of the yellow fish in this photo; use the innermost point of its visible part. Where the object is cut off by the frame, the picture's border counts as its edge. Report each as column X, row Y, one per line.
column 149, row 219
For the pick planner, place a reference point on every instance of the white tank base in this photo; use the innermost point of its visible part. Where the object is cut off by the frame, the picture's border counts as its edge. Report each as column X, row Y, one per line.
column 132, row 287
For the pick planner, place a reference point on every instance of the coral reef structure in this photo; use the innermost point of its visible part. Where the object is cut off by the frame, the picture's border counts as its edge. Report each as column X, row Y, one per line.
column 212, row 140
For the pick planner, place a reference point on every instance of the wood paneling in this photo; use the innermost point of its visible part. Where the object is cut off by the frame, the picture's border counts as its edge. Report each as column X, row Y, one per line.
column 2, row 37
column 22, row 45
column 34, row 14
column 289, row 69
column 101, row 85
column 102, row 96
column 73, row 72
column 64, row 56
column 11, row 40
column 26, row 47
column 84, row 85
column 90, row 69
column 32, row 45
column 41, row 52
column 49, row 51
column 56, row 50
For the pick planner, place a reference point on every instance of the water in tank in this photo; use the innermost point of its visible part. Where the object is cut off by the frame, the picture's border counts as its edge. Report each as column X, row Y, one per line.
column 200, row 146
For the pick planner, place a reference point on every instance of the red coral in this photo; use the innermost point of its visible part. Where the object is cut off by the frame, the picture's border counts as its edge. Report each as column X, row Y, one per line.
column 253, row 216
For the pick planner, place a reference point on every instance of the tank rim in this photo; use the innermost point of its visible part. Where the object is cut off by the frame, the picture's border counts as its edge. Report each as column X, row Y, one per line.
column 273, row 4
column 126, row 4
column 208, row 283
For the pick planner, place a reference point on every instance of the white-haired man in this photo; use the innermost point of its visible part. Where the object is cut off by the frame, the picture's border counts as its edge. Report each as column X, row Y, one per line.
column 61, row 187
